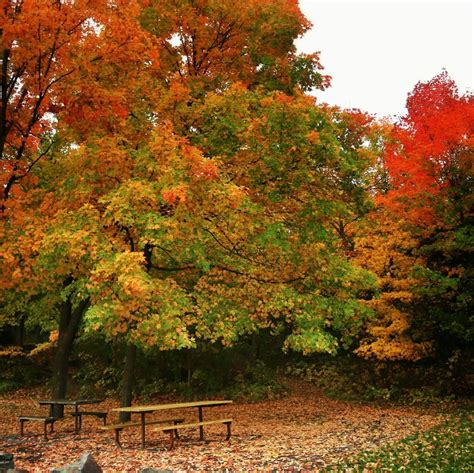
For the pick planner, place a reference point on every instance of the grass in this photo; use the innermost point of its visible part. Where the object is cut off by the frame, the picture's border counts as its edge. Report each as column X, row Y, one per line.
column 448, row 447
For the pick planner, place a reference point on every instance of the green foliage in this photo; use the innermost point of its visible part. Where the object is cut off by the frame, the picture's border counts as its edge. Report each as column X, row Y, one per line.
column 99, row 366
column 446, row 448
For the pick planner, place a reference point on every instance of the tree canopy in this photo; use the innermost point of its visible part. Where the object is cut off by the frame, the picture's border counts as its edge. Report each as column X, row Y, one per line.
column 168, row 181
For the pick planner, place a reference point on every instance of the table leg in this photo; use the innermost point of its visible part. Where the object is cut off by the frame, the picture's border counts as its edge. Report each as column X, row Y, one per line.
column 201, row 428
column 143, row 429
column 76, row 418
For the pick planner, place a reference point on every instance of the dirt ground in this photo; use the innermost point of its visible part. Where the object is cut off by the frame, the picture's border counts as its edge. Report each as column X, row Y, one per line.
column 301, row 432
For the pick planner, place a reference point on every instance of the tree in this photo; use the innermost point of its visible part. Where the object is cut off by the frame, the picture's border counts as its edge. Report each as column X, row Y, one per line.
column 55, row 56
column 214, row 206
column 428, row 200
column 298, row 165
column 57, row 62
column 383, row 246
column 209, row 45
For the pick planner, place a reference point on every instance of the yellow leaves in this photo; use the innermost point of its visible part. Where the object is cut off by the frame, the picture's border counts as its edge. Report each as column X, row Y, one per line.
column 388, row 336
column 388, row 250
column 397, row 349
column 164, row 143
column 179, row 90
column 121, row 265
column 403, row 296
column 10, row 352
column 53, row 336
column 42, row 350
column 127, row 302
column 132, row 285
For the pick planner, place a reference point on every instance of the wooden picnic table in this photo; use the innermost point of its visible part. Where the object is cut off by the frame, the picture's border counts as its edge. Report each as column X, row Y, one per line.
column 69, row 402
column 148, row 409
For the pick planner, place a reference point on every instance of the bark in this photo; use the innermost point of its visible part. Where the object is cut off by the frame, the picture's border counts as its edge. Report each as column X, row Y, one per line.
column 254, row 347
column 69, row 322
column 20, row 332
column 128, row 380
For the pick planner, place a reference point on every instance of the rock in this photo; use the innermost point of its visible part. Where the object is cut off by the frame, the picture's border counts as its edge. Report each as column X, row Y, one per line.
column 85, row 464
column 6, row 462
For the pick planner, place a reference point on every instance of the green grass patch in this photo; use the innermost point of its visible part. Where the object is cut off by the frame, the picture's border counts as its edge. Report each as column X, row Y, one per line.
column 448, row 447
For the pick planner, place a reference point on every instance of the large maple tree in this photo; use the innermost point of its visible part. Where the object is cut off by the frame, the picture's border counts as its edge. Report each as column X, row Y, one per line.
column 169, row 179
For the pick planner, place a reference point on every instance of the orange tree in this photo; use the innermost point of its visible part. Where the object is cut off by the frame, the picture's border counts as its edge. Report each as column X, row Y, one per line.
column 206, row 208
column 57, row 63
column 420, row 237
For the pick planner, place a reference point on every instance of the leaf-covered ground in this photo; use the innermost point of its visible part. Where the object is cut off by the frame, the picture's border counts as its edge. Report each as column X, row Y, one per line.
column 302, row 432
column 448, row 447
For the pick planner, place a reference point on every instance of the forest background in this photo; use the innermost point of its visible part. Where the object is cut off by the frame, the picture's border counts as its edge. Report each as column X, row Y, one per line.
column 179, row 214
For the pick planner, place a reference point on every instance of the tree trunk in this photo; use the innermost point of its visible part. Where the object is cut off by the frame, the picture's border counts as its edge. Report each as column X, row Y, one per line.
column 127, row 381
column 131, row 353
column 254, row 348
column 68, row 326
column 20, row 331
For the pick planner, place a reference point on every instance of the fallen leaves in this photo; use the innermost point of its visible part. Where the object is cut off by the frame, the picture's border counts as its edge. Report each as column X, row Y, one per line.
column 304, row 431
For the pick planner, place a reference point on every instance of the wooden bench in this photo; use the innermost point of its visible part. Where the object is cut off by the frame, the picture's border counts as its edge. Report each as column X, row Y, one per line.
column 174, row 429
column 46, row 419
column 119, row 427
column 99, row 415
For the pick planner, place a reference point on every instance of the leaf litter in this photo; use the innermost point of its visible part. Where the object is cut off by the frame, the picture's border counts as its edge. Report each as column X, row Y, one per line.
column 302, row 432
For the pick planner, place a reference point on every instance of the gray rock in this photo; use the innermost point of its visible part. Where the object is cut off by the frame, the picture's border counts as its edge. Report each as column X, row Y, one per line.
column 85, row 464
column 6, row 466
column 6, row 462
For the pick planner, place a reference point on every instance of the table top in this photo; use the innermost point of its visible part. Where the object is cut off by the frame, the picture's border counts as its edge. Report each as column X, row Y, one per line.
column 181, row 405
column 70, row 402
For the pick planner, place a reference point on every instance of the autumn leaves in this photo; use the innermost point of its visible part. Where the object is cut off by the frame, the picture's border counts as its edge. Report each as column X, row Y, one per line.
column 164, row 172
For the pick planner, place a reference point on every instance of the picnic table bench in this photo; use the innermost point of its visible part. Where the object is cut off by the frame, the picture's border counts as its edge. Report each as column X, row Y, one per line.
column 46, row 419
column 171, row 423
column 77, row 413
column 98, row 414
column 200, row 405
column 174, row 430
column 51, row 418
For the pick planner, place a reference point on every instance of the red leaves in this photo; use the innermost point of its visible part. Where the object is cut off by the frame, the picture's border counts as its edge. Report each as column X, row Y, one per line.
column 432, row 148
column 170, row 196
column 201, row 168
column 206, row 170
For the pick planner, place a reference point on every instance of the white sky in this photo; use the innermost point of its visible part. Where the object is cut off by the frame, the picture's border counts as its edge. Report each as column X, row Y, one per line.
column 377, row 50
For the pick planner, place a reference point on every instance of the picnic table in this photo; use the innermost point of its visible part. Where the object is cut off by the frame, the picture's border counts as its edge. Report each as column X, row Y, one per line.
column 148, row 409
column 69, row 402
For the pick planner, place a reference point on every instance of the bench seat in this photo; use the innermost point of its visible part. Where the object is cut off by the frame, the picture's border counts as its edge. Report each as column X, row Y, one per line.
column 98, row 414
column 45, row 419
column 173, row 429
column 124, row 425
